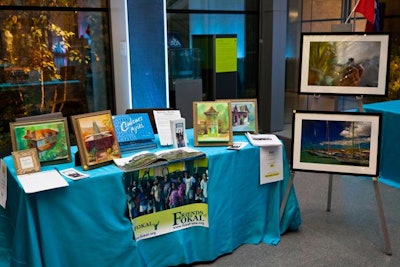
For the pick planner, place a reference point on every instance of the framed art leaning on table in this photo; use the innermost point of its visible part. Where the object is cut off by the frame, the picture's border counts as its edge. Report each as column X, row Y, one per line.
column 96, row 139
column 49, row 137
column 26, row 161
column 212, row 123
column 244, row 116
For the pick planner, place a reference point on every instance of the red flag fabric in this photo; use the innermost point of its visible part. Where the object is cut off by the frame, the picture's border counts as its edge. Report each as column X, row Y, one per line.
column 367, row 8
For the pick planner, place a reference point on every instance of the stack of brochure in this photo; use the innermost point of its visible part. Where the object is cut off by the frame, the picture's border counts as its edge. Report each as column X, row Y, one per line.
column 146, row 159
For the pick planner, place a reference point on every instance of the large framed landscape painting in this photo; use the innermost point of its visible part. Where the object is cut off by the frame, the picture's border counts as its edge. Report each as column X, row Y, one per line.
column 96, row 139
column 344, row 63
column 212, row 123
column 345, row 142
column 49, row 137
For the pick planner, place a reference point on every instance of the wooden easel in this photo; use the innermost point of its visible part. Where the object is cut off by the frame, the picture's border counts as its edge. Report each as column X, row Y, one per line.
column 378, row 197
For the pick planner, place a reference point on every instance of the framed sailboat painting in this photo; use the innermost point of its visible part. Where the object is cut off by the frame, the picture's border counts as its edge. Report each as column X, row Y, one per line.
column 336, row 142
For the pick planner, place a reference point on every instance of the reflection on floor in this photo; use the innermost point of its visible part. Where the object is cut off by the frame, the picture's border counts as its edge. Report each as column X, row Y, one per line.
column 349, row 235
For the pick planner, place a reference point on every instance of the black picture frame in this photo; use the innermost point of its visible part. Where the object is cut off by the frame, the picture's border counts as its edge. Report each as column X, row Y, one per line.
column 336, row 142
column 344, row 63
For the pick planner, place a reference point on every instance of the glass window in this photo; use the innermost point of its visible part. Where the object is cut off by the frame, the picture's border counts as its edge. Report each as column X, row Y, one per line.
column 189, row 18
column 225, row 5
column 55, row 58
column 56, row 3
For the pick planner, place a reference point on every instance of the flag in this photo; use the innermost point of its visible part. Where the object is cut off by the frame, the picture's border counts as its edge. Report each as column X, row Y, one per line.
column 370, row 10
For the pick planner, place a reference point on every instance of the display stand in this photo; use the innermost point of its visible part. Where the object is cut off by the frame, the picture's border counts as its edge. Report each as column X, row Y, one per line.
column 388, row 249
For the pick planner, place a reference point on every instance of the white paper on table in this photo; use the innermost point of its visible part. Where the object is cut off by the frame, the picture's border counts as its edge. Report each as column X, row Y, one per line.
column 162, row 119
column 3, row 183
column 41, row 181
column 271, row 164
column 73, row 174
column 237, row 145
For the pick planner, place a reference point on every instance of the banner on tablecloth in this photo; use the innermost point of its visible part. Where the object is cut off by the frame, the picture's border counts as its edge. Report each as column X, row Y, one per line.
column 167, row 198
column 163, row 222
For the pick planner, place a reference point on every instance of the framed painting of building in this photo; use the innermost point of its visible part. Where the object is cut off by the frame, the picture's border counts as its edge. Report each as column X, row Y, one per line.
column 96, row 139
column 344, row 63
column 343, row 142
column 49, row 137
column 212, row 123
column 244, row 116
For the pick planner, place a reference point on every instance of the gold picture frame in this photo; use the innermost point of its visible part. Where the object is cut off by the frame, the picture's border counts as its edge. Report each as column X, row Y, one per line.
column 212, row 123
column 96, row 139
column 26, row 161
column 49, row 137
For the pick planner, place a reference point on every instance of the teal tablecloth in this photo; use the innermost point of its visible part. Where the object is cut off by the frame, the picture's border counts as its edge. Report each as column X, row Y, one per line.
column 389, row 168
column 85, row 224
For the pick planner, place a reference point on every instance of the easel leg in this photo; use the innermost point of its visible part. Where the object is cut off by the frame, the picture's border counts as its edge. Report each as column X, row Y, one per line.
column 382, row 216
column 286, row 196
column 328, row 205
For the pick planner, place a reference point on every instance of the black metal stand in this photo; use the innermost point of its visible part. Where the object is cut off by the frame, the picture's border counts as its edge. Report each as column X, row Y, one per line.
column 385, row 231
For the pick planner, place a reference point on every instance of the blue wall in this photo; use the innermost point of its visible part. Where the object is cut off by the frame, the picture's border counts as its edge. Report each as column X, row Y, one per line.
column 147, row 53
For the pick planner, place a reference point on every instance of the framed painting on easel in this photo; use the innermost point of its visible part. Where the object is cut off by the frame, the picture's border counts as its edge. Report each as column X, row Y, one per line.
column 332, row 142
column 344, row 63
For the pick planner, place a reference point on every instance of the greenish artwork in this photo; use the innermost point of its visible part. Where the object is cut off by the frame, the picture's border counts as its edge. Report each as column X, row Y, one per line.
column 50, row 138
column 355, row 64
column 212, row 123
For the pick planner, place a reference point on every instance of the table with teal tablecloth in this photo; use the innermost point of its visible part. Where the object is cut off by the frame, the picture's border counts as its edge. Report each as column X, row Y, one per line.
column 86, row 223
column 389, row 168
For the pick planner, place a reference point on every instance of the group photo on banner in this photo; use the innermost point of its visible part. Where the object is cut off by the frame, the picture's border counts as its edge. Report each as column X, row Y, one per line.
column 167, row 198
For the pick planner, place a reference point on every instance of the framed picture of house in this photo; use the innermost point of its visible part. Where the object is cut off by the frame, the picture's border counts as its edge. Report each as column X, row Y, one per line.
column 244, row 116
column 96, row 139
column 212, row 123
column 344, row 142
column 49, row 137
column 344, row 63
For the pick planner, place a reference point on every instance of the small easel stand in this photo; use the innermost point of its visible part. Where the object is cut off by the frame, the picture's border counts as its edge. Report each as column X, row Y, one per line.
column 388, row 248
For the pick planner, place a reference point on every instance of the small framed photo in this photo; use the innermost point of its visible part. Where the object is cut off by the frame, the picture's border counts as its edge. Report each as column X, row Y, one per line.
column 96, row 139
column 345, row 142
column 178, row 132
column 212, row 123
column 49, row 137
column 344, row 63
column 26, row 161
column 244, row 116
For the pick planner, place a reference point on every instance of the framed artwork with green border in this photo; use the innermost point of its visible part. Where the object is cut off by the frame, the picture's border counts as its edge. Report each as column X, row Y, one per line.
column 212, row 123
column 49, row 137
